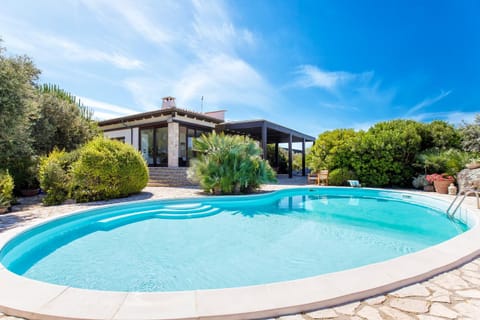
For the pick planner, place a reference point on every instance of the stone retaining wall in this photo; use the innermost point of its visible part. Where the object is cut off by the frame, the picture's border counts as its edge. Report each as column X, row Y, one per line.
column 168, row 177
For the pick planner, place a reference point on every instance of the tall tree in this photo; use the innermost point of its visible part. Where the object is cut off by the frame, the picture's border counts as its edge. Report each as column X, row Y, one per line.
column 62, row 121
column 18, row 77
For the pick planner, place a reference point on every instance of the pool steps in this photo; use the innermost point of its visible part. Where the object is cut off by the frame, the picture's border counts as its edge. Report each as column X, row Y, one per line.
column 167, row 212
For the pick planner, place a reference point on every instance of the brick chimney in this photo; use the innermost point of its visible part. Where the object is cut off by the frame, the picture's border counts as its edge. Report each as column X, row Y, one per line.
column 168, row 102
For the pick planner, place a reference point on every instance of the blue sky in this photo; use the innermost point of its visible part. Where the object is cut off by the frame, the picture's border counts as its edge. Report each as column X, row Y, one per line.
column 309, row 65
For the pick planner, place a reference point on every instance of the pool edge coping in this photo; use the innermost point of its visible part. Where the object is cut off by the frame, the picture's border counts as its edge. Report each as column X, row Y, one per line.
column 33, row 299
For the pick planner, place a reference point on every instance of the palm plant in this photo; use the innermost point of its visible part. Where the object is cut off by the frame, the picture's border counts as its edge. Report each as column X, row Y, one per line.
column 229, row 164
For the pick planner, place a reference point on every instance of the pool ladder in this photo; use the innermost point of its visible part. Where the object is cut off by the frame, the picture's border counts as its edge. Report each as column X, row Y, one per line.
column 457, row 202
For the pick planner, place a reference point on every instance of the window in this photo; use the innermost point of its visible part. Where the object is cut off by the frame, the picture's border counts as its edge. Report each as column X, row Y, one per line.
column 121, row 139
column 185, row 141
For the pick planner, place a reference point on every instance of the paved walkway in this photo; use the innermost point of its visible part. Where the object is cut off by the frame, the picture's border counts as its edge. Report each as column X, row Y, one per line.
column 451, row 295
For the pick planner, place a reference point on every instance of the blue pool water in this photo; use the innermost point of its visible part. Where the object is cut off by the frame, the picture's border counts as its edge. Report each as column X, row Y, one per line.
column 224, row 242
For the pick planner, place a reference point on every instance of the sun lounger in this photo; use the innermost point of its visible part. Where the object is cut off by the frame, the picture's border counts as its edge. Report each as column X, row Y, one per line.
column 354, row 183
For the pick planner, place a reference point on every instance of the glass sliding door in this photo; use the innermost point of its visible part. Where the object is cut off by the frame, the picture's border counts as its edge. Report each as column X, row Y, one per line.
column 182, row 147
column 190, row 136
column 147, row 146
column 154, row 146
column 161, row 135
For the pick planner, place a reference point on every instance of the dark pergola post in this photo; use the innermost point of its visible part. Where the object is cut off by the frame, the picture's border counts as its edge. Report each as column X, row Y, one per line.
column 264, row 140
column 303, row 157
column 290, row 156
column 276, row 155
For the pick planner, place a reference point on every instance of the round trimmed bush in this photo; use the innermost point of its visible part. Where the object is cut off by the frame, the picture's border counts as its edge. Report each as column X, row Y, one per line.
column 107, row 169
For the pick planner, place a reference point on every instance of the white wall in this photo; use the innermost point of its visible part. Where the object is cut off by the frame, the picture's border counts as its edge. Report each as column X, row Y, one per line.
column 135, row 138
column 124, row 133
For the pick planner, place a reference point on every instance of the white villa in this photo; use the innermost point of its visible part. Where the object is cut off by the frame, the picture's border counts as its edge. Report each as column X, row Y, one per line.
column 164, row 136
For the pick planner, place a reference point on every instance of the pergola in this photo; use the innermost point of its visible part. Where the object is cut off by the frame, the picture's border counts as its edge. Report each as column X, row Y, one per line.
column 269, row 133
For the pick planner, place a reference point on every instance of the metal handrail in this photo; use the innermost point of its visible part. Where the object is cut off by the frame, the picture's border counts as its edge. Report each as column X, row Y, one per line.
column 465, row 193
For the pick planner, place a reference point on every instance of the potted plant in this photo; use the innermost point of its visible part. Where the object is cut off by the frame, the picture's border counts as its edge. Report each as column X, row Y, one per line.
column 440, row 181
column 421, row 182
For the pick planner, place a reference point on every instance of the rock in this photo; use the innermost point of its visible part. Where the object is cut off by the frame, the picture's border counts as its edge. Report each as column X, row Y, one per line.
column 450, row 281
column 440, row 297
column 468, row 178
column 395, row 314
column 474, row 281
column 292, row 317
column 438, row 294
column 472, row 274
column 409, row 305
column 427, row 317
column 322, row 314
column 468, row 310
column 471, row 266
column 348, row 309
column 375, row 300
column 369, row 313
column 416, row 290
column 438, row 309
column 469, row 293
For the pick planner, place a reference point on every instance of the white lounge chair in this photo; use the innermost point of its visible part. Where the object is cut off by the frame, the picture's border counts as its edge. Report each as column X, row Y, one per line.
column 354, row 183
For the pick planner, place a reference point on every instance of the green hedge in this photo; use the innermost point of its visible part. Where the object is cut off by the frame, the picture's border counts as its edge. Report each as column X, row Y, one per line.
column 6, row 188
column 55, row 176
column 100, row 170
column 340, row 177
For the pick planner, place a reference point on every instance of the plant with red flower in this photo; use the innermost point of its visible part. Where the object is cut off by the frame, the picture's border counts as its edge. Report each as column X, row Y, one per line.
column 439, row 177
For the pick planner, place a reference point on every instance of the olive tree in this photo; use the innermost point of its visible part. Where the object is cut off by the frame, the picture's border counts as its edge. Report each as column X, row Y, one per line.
column 18, row 76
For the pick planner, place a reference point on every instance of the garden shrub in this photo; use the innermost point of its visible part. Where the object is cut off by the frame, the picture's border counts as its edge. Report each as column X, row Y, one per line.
column 331, row 150
column 420, row 181
column 55, row 177
column 470, row 135
column 449, row 161
column 107, row 169
column 229, row 164
column 441, row 135
column 340, row 177
column 6, row 188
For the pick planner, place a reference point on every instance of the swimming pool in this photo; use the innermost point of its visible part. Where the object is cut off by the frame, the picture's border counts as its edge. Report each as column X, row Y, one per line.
column 226, row 242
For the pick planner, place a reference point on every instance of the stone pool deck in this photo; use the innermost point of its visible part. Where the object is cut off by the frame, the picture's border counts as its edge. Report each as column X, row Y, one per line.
column 450, row 295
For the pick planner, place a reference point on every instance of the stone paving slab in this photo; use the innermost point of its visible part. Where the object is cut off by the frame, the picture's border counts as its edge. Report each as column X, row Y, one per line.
column 451, row 295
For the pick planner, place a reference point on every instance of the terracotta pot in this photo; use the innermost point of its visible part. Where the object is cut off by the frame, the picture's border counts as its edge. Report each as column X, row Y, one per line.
column 428, row 188
column 441, row 186
column 3, row 210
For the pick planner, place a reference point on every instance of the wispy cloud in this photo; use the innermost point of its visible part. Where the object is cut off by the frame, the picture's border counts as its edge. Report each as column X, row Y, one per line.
column 44, row 45
column 103, row 110
column 343, row 90
column 201, row 59
column 311, row 76
column 136, row 15
column 73, row 51
column 453, row 117
column 427, row 102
